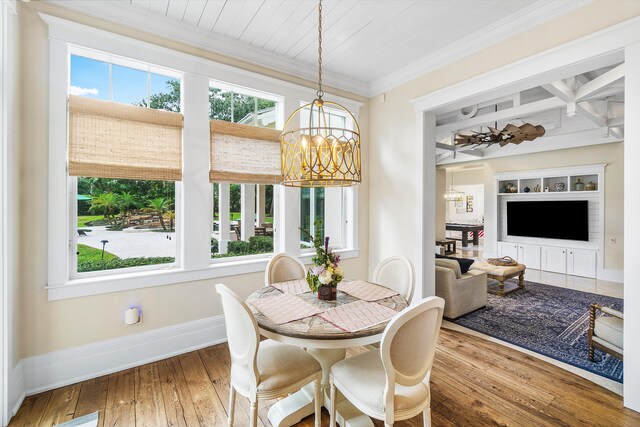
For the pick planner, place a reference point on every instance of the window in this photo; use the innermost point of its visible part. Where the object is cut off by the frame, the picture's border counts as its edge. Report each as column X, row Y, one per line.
column 122, row 223
column 97, row 185
column 235, row 202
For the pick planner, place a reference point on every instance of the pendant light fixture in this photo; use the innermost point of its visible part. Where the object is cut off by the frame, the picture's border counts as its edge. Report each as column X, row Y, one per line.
column 320, row 154
column 452, row 195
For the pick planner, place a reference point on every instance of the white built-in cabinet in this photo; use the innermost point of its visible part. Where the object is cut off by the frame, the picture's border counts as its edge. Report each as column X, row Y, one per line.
column 576, row 262
column 553, row 259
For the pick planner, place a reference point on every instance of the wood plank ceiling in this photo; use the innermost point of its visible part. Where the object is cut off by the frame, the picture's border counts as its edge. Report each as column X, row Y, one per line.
column 362, row 39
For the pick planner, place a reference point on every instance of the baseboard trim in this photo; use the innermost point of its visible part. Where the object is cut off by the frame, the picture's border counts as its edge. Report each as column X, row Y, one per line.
column 616, row 276
column 16, row 388
column 57, row 369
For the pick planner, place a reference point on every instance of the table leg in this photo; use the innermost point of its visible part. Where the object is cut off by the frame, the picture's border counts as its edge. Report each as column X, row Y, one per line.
column 521, row 280
column 476, row 239
column 291, row 410
column 501, row 291
column 465, row 238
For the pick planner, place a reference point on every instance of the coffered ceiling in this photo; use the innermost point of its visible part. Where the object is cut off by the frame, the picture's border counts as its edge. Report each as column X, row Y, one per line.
column 369, row 46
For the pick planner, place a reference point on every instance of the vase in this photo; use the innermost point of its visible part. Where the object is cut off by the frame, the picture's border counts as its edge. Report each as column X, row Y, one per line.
column 591, row 186
column 579, row 185
column 327, row 292
column 527, row 189
column 559, row 186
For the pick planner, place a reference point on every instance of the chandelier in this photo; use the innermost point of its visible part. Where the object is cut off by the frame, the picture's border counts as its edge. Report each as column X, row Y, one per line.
column 452, row 195
column 320, row 155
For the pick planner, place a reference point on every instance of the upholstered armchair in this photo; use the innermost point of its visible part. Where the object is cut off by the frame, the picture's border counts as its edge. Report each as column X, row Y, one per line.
column 605, row 332
column 463, row 293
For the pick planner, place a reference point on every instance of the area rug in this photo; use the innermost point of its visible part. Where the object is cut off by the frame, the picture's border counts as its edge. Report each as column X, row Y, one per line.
column 548, row 320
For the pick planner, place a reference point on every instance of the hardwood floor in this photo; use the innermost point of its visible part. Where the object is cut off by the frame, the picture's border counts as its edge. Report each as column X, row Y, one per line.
column 474, row 383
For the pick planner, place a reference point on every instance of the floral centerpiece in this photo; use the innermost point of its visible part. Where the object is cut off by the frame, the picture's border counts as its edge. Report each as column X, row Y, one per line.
column 326, row 273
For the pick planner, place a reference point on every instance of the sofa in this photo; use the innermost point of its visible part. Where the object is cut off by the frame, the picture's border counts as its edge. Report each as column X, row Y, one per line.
column 462, row 293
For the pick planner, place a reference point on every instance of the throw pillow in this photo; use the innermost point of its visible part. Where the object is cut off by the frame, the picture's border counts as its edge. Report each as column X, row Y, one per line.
column 465, row 263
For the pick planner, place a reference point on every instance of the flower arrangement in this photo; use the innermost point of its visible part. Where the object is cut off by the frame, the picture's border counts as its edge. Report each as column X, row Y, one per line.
column 326, row 271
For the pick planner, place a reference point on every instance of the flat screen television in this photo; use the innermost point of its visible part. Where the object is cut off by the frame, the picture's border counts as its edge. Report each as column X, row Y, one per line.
column 551, row 219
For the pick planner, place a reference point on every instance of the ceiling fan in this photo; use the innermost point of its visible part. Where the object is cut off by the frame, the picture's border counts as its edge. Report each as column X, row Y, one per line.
column 511, row 134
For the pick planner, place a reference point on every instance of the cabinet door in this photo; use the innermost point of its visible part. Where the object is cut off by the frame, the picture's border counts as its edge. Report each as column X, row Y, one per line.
column 529, row 255
column 554, row 259
column 508, row 249
column 581, row 262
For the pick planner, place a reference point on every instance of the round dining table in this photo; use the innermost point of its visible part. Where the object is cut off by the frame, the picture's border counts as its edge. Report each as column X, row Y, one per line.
column 328, row 344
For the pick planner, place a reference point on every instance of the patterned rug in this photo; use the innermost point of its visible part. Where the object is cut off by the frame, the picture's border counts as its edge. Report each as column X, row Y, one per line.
column 549, row 320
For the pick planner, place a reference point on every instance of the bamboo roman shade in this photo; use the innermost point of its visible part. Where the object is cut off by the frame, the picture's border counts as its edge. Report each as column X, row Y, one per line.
column 244, row 154
column 112, row 140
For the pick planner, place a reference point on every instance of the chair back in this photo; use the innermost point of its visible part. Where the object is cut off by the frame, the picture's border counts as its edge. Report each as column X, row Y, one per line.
column 242, row 332
column 409, row 343
column 396, row 273
column 283, row 267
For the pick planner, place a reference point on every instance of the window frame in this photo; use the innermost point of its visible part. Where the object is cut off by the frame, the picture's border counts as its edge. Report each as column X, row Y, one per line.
column 197, row 221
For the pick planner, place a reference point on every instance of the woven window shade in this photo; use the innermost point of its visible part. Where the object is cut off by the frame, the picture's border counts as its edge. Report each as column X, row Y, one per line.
column 111, row 140
column 243, row 154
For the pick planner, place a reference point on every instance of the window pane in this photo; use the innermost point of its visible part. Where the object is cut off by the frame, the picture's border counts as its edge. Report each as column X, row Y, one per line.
column 266, row 114
column 164, row 93
column 220, row 104
column 124, row 223
column 229, row 241
column 129, row 86
column 89, row 78
column 305, row 215
column 244, row 108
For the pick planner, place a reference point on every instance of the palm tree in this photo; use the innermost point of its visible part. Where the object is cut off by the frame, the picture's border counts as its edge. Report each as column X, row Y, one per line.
column 159, row 206
column 127, row 201
column 107, row 203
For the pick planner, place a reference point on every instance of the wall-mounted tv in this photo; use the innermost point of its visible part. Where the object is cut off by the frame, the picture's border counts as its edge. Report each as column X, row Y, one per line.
column 551, row 219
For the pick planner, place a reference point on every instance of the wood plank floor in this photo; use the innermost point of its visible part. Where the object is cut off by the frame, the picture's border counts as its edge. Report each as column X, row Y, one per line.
column 474, row 383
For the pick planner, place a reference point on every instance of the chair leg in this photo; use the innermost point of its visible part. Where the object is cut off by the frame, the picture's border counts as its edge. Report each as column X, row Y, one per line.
column 253, row 416
column 318, row 397
column 332, row 418
column 426, row 417
column 232, row 404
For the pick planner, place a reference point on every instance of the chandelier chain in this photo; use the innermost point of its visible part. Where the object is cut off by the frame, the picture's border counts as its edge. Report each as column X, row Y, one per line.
column 319, row 93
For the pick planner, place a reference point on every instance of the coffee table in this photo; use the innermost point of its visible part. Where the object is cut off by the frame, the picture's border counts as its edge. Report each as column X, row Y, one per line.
column 501, row 273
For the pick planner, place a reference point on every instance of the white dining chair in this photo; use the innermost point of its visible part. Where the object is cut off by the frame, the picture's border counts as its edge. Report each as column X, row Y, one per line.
column 393, row 384
column 396, row 273
column 282, row 268
column 263, row 370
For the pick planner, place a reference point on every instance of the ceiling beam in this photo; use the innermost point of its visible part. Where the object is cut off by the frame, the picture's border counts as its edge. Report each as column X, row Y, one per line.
column 506, row 114
column 600, row 82
column 587, row 109
column 453, row 149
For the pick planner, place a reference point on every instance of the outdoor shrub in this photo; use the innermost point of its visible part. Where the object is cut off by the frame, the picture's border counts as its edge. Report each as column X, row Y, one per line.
column 84, row 266
column 239, row 247
column 214, row 246
column 261, row 244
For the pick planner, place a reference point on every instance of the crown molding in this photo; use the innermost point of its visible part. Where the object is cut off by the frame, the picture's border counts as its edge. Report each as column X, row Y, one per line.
column 530, row 17
column 115, row 11
column 162, row 26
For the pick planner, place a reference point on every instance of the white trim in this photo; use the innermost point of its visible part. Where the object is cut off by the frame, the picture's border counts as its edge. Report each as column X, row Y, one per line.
column 610, row 275
column 168, row 28
column 60, row 368
column 65, row 37
column 139, row 280
column 16, row 388
column 541, row 173
column 599, row 49
column 619, row 43
column 530, row 17
column 139, row 51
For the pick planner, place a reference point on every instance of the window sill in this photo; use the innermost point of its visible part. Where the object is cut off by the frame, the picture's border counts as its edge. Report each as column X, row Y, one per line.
column 128, row 281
